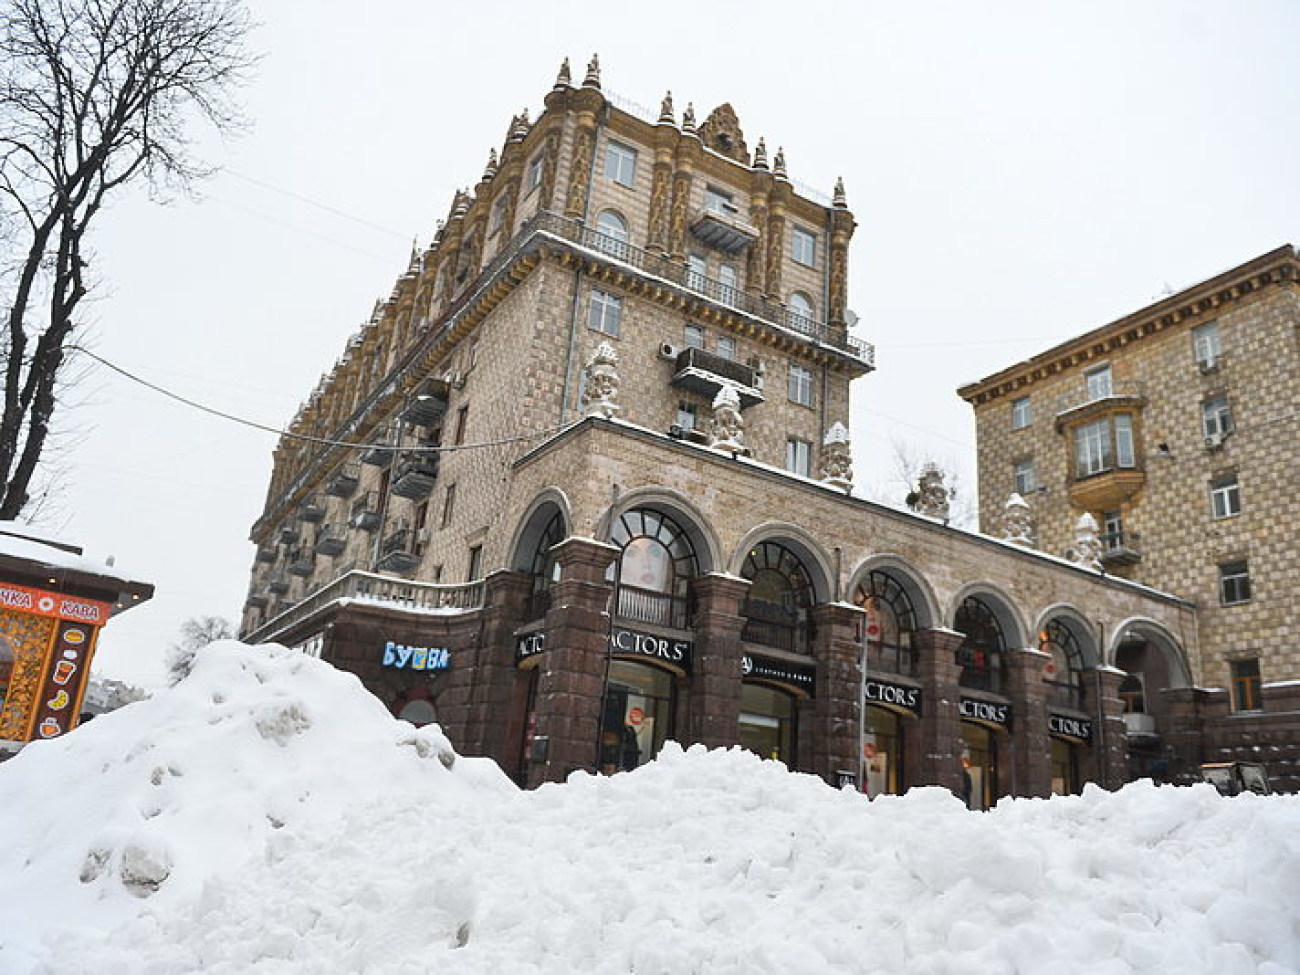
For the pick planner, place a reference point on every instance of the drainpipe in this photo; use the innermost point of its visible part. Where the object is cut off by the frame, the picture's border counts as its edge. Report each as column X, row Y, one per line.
column 1103, row 772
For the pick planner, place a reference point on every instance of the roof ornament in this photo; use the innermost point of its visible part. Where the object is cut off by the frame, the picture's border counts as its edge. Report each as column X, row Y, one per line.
column 602, row 382
column 666, row 111
column 688, row 118
column 1018, row 521
column 562, row 80
column 593, row 74
column 491, row 169
column 1087, row 546
column 932, row 496
column 519, row 129
column 728, row 426
column 778, row 164
column 760, row 155
column 840, row 201
column 837, row 460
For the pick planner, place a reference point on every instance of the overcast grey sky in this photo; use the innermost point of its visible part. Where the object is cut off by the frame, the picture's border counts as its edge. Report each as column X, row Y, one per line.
column 1020, row 172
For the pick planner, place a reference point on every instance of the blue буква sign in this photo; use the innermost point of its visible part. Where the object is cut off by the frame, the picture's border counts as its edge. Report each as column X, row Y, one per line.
column 402, row 657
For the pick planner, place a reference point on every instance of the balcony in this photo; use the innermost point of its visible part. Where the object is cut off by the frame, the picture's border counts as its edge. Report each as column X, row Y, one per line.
column 724, row 229
column 415, row 476
column 1120, row 548
column 770, row 625
column 428, row 405
column 1076, row 407
column 1107, row 489
column 345, row 481
column 278, row 584
column 365, row 512
column 332, row 540
column 397, row 552
column 649, row 606
column 301, row 563
column 312, row 510
column 288, row 534
column 378, row 454
column 707, row 372
column 266, row 553
column 257, row 600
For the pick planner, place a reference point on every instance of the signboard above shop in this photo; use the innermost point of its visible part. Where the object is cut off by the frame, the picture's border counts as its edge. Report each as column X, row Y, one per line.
column 986, row 712
column 401, row 657
column 897, row 696
column 796, row 676
column 1078, row 728
column 625, row 643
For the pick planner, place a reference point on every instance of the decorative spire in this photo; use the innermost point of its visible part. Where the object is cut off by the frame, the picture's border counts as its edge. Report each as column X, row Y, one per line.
column 760, row 155
column 1018, row 521
column 437, row 233
column 778, row 164
column 666, row 111
column 593, row 74
column 562, row 79
column 840, row 201
column 491, row 169
column 688, row 118
column 415, row 255
column 837, row 461
column 460, row 204
column 519, row 128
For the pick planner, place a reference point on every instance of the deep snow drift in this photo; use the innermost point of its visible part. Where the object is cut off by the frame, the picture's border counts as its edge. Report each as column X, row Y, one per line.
column 268, row 815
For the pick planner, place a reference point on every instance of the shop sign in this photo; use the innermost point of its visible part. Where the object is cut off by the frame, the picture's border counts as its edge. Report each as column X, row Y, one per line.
column 56, row 707
column 985, row 711
column 1080, row 728
column 896, row 695
column 630, row 643
column 529, row 645
column 802, row 677
column 402, row 657
column 40, row 602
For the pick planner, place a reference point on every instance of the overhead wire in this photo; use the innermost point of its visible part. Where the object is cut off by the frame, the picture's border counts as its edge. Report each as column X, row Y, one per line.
column 307, row 438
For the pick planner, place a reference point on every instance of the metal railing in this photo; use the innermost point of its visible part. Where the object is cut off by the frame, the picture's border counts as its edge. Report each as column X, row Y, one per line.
column 1116, row 541
column 884, row 658
column 1119, row 389
column 367, row 586
column 647, row 606
column 1064, row 695
column 737, row 372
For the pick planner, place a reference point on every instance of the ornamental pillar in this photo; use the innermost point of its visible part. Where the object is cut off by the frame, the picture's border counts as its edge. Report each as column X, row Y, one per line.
column 1031, row 744
column 933, row 756
column 494, row 722
column 837, row 703
column 714, row 697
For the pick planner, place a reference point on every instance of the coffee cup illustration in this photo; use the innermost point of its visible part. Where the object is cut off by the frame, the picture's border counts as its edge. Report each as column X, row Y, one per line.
column 63, row 671
column 49, row 728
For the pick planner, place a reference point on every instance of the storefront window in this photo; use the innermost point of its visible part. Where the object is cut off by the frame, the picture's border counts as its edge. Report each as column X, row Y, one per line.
column 978, row 759
column 1064, row 675
column 637, row 715
column 767, row 722
column 776, row 610
column 1065, row 768
column 890, row 623
column 981, row 653
column 882, row 752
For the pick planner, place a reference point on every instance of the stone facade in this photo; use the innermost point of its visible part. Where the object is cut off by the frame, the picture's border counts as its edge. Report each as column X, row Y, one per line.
column 585, row 487
column 1209, row 379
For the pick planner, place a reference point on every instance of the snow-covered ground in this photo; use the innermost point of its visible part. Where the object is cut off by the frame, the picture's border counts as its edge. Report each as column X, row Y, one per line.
column 267, row 815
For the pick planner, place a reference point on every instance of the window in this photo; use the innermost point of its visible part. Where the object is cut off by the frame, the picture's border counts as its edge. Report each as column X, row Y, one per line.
column 1097, row 383
column 1205, row 345
column 803, row 246
column 448, row 505
column 1022, row 413
column 800, row 310
column 1104, row 445
column 1245, row 685
column 726, row 347
column 605, row 312
column 717, row 201
column 1234, row 583
column 475, row 563
column 687, row 415
column 1225, row 496
column 729, row 281
column 798, row 456
column 1216, row 418
column 498, row 215
column 697, row 271
column 1026, row 479
column 800, row 385
column 462, row 418
column 620, row 163
column 693, row 336
column 611, row 233
column 533, row 178
column 1112, row 529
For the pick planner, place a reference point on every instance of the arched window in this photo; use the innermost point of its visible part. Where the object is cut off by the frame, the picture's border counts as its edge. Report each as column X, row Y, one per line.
column 780, row 594
column 1064, row 675
column 981, row 654
column 800, row 307
column 544, row 569
column 655, row 568
column 890, row 622
column 611, row 233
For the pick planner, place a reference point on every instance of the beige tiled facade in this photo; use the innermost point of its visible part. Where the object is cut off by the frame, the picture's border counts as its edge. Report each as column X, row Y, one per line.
column 1232, row 344
column 519, row 489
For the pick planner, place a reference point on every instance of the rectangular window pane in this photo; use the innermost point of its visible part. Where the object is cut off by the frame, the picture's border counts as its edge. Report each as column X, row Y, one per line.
column 803, row 246
column 1021, row 413
column 1245, row 685
column 693, row 336
column 726, row 347
column 1098, row 383
column 1216, row 418
column 798, row 456
column 605, row 312
column 1225, row 496
column 686, row 416
column 1124, row 441
column 800, row 390
column 718, row 201
column 1205, row 344
column 535, row 173
column 1092, row 448
column 620, row 163
column 1026, row 479
column 1234, row 583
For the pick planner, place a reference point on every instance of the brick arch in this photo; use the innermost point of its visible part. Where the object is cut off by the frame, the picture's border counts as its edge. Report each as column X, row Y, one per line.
column 528, row 532
column 1180, row 671
column 680, row 510
column 1000, row 603
column 1084, row 632
column 815, row 560
column 925, row 604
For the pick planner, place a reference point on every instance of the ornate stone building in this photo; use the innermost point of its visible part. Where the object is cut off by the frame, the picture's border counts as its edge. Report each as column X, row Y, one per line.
column 581, row 484
column 1175, row 430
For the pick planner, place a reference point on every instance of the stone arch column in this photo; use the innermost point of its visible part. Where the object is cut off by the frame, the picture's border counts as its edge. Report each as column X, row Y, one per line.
column 714, row 695
column 836, row 708
column 1031, row 744
column 933, row 756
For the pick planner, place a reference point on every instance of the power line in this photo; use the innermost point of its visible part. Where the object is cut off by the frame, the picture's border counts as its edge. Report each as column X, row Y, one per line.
column 315, row 203
column 321, row 441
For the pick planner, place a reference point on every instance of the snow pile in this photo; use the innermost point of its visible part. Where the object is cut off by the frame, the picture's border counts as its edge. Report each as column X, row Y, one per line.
column 268, row 815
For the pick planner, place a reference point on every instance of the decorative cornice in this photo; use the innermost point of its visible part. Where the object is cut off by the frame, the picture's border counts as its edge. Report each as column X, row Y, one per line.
column 1193, row 305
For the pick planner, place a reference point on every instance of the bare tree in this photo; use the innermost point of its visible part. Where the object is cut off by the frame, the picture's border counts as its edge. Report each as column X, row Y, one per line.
column 94, row 95
column 196, row 633
column 909, row 464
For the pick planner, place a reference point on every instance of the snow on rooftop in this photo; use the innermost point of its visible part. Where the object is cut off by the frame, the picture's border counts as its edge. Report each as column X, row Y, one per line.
column 19, row 541
column 268, row 815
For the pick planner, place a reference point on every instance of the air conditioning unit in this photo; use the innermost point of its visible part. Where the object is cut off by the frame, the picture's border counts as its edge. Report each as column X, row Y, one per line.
column 669, row 351
column 1213, row 441
column 677, row 431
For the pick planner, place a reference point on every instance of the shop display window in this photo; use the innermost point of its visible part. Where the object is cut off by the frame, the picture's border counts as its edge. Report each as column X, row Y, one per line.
column 767, row 719
column 1065, row 768
column 882, row 752
column 637, row 716
column 978, row 759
